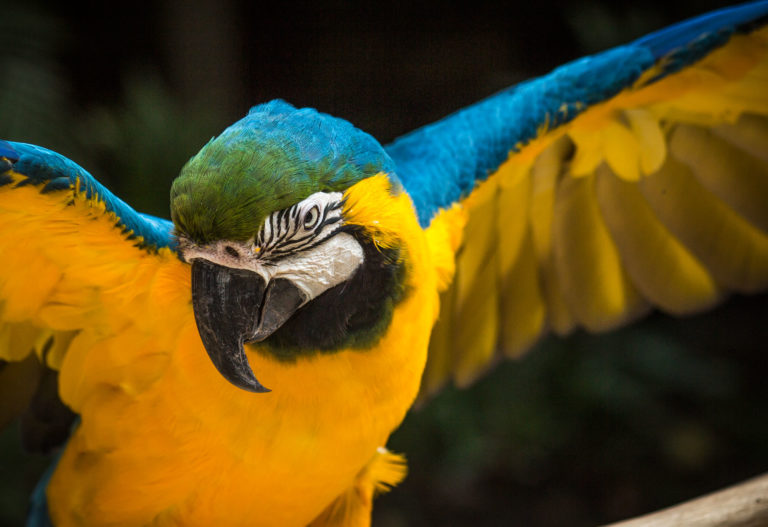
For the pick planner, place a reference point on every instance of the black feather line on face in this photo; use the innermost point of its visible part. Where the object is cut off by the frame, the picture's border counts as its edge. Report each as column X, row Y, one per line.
column 293, row 242
column 294, row 213
column 286, row 222
column 297, row 244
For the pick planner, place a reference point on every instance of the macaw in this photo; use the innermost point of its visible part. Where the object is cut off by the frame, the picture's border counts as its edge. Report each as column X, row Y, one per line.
column 245, row 362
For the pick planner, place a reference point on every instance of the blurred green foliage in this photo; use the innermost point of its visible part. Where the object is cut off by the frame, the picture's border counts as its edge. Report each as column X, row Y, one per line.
column 34, row 95
column 141, row 143
column 581, row 430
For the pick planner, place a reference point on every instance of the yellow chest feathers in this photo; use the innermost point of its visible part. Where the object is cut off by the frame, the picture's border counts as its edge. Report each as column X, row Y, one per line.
column 192, row 449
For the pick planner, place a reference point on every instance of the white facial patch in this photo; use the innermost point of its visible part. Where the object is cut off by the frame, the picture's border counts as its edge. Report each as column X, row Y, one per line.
column 300, row 243
column 322, row 267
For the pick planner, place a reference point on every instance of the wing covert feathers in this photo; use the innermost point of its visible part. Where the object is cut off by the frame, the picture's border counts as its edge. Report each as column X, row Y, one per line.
column 655, row 198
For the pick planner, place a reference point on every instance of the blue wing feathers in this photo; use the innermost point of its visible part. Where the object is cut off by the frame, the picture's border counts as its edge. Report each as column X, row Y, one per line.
column 724, row 22
column 7, row 151
column 55, row 172
column 441, row 163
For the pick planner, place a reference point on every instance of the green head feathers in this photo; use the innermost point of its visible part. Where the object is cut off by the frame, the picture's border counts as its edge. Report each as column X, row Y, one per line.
column 269, row 160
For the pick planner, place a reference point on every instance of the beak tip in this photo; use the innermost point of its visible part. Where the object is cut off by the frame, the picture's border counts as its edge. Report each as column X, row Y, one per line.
column 238, row 372
column 242, row 377
column 256, row 388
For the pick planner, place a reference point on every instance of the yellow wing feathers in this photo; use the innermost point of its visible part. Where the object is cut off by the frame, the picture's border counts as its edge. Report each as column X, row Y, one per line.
column 653, row 199
column 71, row 280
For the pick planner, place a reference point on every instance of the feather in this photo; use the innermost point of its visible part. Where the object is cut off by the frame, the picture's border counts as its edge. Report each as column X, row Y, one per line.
column 732, row 250
column 595, row 287
column 737, row 178
column 663, row 270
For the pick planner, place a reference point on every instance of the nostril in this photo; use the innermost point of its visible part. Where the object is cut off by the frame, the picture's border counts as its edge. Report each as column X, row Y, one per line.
column 232, row 251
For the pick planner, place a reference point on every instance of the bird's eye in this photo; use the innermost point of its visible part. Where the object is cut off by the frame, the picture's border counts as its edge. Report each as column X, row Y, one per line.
column 311, row 217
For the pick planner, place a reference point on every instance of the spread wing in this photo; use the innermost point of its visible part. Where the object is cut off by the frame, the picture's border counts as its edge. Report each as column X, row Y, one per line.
column 80, row 270
column 626, row 181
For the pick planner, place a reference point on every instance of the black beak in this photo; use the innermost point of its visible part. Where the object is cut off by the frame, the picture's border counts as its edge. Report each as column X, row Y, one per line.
column 235, row 306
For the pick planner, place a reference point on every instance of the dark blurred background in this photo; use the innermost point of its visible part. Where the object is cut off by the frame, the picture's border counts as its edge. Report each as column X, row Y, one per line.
column 579, row 431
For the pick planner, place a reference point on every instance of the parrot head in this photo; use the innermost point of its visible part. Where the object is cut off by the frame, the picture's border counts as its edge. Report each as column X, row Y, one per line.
column 286, row 220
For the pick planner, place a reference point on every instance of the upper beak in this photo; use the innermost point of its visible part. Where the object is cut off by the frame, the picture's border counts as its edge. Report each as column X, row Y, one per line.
column 235, row 306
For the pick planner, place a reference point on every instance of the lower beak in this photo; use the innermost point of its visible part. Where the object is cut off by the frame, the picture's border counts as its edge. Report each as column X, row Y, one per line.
column 235, row 306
